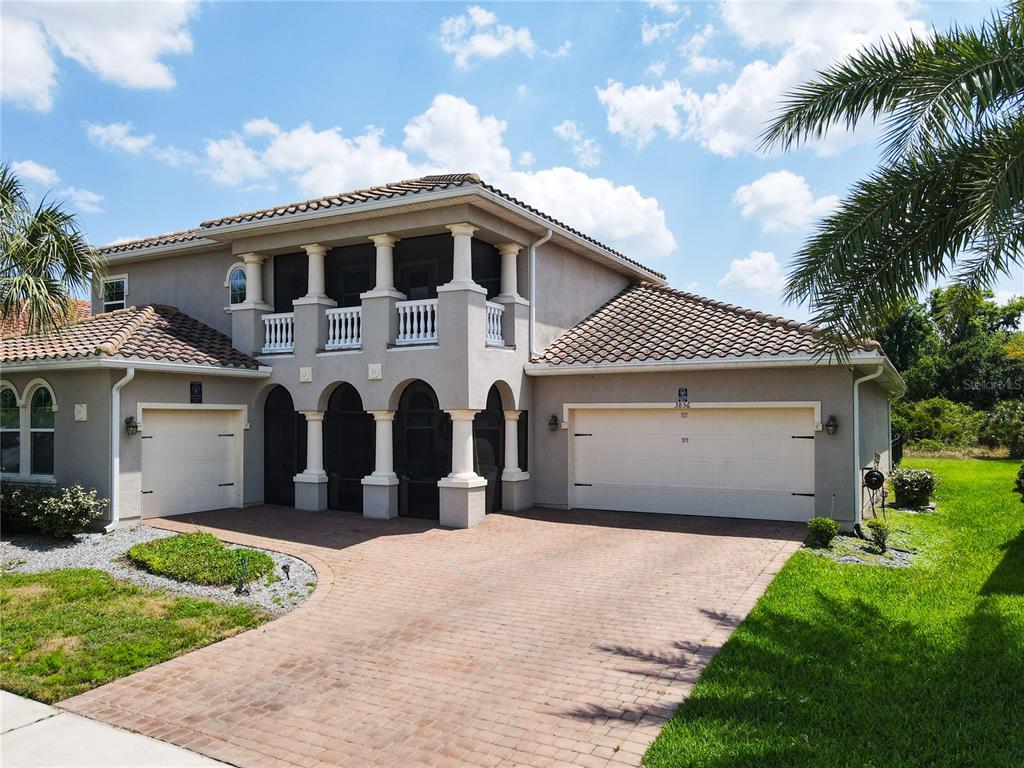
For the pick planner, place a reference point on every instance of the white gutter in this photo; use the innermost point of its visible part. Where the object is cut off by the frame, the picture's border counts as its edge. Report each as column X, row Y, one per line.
column 856, row 441
column 72, row 364
column 533, row 289
column 115, row 449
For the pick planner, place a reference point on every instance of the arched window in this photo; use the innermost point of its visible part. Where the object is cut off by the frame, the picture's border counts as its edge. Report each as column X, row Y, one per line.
column 10, row 431
column 41, row 431
column 236, row 285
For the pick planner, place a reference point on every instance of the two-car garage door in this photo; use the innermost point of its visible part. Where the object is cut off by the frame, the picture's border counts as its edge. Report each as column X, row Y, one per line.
column 731, row 462
column 191, row 460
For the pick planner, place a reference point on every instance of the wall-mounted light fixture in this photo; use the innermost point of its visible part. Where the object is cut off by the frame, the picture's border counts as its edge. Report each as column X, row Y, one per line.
column 832, row 425
column 131, row 426
column 553, row 423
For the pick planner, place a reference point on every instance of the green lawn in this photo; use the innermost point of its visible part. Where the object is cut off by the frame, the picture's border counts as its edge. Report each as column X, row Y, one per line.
column 851, row 665
column 65, row 632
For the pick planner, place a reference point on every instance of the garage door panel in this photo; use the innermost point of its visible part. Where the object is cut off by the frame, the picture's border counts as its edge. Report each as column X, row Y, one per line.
column 190, row 461
column 742, row 462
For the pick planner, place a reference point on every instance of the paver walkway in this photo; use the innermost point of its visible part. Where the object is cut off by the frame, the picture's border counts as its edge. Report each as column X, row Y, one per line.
column 540, row 639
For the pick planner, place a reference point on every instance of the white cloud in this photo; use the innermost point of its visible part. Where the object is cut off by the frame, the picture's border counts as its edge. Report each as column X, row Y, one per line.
column 261, row 126
column 30, row 170
column 586, row 150
column 123, row 43
column 807, row 37
column 561, row 51
column 522, row 91
column 697, row 62
column 82, row 199
column 759, row 272
column 476, row 34
column 637, row 113
column 1002, row 298
column 526, row 159
column 656, row 69
column 668, row 6
column 119, row 136
column 782, row 201
column 652, row 32
column 233, row 162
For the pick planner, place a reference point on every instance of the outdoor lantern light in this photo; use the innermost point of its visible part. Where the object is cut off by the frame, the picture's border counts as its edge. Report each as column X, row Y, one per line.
column 832, row 425
column 553, row 423
column 131, row 426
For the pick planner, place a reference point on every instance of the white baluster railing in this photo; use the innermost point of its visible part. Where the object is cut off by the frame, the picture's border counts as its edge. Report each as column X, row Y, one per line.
column 279, row 332
column 417, row 321
column 495, row 338
column 345, row 328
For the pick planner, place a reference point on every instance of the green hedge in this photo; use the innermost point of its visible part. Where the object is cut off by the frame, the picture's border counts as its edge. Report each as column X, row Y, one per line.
column 47, row 510
column 913, row 487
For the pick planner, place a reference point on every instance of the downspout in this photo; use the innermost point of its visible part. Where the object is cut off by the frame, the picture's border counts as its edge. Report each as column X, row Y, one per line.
column 533, row 289
column 115, row 449
column 856, row 445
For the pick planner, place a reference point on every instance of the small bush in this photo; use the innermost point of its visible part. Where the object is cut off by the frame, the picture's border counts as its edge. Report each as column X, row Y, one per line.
column 823, row 529
column 913, row 487
column 1020, row 481
column 200, row 558
column 57, row 512
column 879, row 532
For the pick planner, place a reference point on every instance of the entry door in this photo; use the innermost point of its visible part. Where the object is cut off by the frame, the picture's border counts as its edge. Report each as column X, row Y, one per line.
column 730, row 462
column 190, row 461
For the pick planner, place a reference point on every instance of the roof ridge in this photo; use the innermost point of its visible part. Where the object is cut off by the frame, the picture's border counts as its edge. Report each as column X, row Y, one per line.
column 117, row 338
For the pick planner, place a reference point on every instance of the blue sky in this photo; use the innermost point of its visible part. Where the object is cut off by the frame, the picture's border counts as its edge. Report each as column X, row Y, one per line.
column 635, row 122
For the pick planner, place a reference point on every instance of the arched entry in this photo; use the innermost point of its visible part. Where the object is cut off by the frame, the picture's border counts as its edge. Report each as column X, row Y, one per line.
column 423, row 450
column 348, row 448
column 284, row 447
column 489, row 447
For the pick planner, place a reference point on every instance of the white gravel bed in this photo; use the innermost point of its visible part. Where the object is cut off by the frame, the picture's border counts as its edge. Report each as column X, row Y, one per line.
column 33, row 554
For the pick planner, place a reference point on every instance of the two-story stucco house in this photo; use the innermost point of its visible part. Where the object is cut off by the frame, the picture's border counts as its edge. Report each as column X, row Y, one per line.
column 432, row 348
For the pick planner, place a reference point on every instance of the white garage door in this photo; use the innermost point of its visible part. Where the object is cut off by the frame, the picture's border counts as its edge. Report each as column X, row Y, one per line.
column 190, row 461
column 731, row 462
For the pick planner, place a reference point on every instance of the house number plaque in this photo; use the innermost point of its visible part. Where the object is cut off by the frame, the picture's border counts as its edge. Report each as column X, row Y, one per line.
column 195, row 391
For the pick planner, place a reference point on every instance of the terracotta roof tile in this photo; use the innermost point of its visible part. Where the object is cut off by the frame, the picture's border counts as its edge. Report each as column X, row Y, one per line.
column 17, row 325
column 151, row 332
column 170, row 238
column 648, row 322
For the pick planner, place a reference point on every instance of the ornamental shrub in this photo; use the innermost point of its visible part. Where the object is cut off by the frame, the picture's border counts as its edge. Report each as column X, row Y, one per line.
column 879, row 531
column 823, row 529
column 913, row 487
column 57, row 512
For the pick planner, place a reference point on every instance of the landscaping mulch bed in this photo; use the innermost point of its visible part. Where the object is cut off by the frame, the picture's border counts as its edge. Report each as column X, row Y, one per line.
column 276, row 593
column 853, row 550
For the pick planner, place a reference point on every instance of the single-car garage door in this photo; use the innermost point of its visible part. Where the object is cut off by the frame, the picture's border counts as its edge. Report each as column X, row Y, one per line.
column 191, row 460
column 731, row 462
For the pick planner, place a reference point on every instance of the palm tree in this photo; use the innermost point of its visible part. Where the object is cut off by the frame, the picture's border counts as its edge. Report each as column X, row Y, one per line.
column 947, row 199
column 44, row 258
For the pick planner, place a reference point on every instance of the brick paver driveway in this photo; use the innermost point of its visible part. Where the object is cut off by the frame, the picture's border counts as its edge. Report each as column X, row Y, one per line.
column 548, row 638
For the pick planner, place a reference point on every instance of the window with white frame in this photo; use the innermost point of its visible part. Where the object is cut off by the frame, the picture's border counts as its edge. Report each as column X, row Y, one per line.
column 41, row 431
column 115, row 290
column 10, row 431
column 236, row 285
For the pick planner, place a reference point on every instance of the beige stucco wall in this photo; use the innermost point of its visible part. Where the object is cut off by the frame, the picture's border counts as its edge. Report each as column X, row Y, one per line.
column 81, row 450
column 832, row 386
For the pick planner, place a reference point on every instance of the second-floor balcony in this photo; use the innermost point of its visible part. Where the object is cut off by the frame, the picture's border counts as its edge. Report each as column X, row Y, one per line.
column 417, row 322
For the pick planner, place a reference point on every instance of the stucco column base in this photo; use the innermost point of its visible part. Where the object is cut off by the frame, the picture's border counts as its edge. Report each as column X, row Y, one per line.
column 516, row 491
column 311, row 492
column 247, row 327
column 311, row 323
column 463, row 501
column 380, row 497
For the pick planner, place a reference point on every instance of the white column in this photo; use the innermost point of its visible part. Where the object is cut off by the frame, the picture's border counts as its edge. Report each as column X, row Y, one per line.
column 314, row 445
column 462, row 253
column 462, row 445
column 385, row 262
column 509, row 276
column 512, row 470
column 253, row 277
column 315, row 285
column 384, row 454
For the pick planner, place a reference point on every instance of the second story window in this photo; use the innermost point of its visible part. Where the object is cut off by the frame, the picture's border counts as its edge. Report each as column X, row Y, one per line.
column 115, row 289
column 236, row 285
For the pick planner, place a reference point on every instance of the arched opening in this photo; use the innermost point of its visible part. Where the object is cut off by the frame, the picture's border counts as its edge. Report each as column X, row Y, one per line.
column 423, row 451
column 489, row 447
column 348, row 448
column 284, row 447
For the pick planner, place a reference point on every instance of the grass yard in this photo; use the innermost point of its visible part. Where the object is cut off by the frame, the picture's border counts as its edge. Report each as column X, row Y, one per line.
column 200, row 558
column 851, row 665
column 67, row 631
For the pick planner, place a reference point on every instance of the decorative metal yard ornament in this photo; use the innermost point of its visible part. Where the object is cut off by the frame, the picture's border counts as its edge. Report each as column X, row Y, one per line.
column 243, row 576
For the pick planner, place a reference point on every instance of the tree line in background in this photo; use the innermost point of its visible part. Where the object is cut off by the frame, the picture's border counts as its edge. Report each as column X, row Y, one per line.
column 964, row 372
